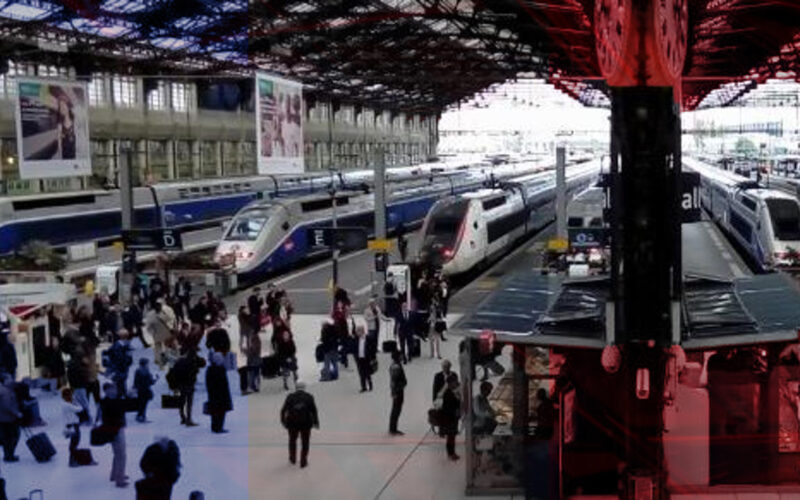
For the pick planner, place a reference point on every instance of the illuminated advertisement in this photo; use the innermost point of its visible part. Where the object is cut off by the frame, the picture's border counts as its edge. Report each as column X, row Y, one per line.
column 52, row 128
column 279, row 128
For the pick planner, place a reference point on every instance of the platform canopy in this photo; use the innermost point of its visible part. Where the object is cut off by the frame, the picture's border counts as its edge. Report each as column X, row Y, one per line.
column 394, row 54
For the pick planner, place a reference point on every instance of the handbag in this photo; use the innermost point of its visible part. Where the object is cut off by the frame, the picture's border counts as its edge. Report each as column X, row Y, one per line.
column 170, row 401
column 83, row 416
column 319, row 353
column 101, row 435
column 206, row 410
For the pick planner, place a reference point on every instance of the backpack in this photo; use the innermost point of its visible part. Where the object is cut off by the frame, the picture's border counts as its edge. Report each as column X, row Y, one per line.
column 178, row 374
column 297, row 414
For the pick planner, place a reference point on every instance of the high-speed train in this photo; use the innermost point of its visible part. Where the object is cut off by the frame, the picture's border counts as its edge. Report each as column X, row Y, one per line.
column 765, row 222
column 269, row 236
column 471, row 229
column 62, row 219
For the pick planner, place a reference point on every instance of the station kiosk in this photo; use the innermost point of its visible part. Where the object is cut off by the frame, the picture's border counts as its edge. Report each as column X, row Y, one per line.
column 24, row 304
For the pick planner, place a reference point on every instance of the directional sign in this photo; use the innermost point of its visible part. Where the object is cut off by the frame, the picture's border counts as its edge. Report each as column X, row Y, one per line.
column 342, row 238
column 383, row 245
column 690, row 196
column 557, row 245
column 587, row 237
column 152, row 239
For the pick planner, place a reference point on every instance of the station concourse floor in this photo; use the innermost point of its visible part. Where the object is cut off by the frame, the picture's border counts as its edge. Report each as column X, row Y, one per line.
column 352, row 456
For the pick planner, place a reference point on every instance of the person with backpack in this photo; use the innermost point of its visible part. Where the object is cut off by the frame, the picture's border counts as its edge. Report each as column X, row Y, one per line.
column 112, row 416
column 183, row 377
column 298, row 416
column 143, row 381
column 118, row 360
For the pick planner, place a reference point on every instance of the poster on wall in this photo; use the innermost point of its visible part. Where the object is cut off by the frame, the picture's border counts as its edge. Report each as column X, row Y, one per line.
column 52, row 128
column 279, row 128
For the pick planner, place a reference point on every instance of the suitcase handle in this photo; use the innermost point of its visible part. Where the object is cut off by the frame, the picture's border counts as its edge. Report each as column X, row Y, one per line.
column 33, row 492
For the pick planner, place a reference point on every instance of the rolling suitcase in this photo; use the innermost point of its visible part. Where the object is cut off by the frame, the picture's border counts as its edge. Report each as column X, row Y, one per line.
column 84, row 456
column 40, row 446
column 270, row 366
column 389, row 346
column 415, row 349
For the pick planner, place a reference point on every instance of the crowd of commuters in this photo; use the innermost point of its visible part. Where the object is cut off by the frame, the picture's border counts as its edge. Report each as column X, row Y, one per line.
column 187, row 333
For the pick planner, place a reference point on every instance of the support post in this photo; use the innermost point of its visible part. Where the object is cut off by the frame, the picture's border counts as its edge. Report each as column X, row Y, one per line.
column 334, row 249
column 645, row 201
column 126, row 201
column 380, row 205
column 561, row 193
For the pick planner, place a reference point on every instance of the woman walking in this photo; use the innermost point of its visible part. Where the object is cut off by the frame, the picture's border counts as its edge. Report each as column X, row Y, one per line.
column 286, row 351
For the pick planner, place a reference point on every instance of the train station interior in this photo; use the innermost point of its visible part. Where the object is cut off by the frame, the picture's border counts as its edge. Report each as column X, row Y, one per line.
column 500, row 249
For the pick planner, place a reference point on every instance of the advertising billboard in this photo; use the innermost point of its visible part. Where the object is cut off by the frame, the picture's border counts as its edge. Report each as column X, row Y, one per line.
column 52, row 128
column 279, row 125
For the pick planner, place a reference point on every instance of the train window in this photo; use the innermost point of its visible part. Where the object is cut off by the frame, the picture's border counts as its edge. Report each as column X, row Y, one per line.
column 494, row 202
column 60, row 201
column 475, row 224
column 285, row 226
column 247, row 225
column 741, row 226
column 596, row 222
column 575, row 222
column 785, row 217
column 749, row 203
column 321, row 204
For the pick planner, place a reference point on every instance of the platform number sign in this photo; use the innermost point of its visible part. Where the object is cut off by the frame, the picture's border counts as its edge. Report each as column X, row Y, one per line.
column 346, row 239
column 153, row 239
column 689, row 196
column 318, row 238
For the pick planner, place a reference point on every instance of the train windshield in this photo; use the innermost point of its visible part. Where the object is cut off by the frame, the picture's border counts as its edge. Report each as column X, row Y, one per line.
column 445, row 222
column 247, row 225
column 785, row 216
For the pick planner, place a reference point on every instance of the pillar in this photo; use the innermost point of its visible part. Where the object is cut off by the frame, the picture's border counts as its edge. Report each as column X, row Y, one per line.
column 646, row 226
column 171, row 172
column 197, row 172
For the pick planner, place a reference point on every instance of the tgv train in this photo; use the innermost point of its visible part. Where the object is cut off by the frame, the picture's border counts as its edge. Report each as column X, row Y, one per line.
column 269, row 236
column 766, row 222
column 471, row 229
column 67, row 218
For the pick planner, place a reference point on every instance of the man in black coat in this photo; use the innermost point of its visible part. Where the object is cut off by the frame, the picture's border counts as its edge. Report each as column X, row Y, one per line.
column 440, row 379
column 405, row 332
column 219, row 393
column 298, row 415
column 397, row 382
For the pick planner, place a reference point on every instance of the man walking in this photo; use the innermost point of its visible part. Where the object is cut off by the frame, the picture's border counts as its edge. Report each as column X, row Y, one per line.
column 397, row 378
column 298, row 415
column 366, row 352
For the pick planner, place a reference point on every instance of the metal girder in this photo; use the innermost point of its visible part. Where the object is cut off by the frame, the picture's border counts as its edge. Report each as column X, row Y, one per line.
column 457, row 46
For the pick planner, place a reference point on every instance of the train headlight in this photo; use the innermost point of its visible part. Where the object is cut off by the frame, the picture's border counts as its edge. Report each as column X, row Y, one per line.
column 448, row 253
